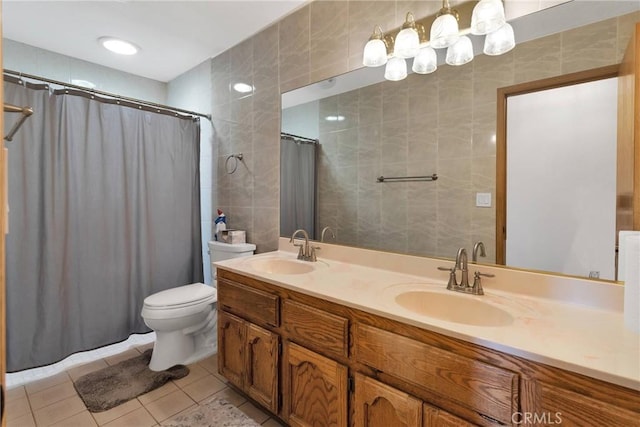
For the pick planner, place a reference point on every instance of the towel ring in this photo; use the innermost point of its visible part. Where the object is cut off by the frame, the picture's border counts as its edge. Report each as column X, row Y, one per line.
column 236, row 157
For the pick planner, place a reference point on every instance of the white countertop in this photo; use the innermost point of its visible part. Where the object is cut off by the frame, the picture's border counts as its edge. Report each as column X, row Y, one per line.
column 564, row 322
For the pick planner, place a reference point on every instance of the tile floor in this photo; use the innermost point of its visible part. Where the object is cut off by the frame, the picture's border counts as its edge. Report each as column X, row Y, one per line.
column 53, row 401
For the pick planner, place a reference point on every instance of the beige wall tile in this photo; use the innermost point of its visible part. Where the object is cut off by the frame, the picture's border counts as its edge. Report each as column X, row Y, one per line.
column 590, row 46
column 294, row 42
column 489, row 74
column 537, row 59
column 265, row 59
column 455, row 87
column 329, row 30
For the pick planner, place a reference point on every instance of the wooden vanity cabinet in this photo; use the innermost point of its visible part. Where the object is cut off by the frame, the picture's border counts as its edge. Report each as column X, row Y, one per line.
column 402, row 375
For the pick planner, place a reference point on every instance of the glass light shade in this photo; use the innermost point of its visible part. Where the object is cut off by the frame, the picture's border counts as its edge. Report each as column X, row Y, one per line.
column 444, row 31
column 426, row 61
column 375, row 53
column 488, row 16
column 500, row 41
column 460, row 52
column 396, row 69
column 407, row 43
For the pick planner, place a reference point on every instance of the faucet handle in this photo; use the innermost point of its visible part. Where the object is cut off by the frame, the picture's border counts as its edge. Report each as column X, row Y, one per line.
column 301, row 250
column 313, row 250
column 477, row 284
column 453, row 282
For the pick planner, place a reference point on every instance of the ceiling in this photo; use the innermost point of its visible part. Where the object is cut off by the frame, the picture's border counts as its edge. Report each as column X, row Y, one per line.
column 174, row 36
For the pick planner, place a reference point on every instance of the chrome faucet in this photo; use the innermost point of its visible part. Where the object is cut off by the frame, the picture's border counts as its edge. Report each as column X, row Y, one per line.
column 474, row 254
column 307, row 252
column 324, row 230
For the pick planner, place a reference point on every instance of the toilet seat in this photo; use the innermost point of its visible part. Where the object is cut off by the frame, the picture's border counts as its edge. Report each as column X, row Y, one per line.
column 178, row 302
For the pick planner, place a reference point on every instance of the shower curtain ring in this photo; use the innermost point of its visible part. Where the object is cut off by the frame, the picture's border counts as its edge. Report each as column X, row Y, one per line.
column 236, row 157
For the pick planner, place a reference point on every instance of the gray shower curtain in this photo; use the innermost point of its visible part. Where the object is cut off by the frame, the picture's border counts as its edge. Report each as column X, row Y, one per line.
column 104, row 206
column 297, row 187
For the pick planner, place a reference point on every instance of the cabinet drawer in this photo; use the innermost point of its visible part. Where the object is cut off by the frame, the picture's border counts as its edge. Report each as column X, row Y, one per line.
column 484, row 388
column 252, row 304
column 559, row 406
column 317, row 329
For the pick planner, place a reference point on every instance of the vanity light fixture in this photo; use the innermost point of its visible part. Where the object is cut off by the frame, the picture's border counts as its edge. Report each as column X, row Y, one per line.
column 119, row 46
column 338, row 118
column 485, row 18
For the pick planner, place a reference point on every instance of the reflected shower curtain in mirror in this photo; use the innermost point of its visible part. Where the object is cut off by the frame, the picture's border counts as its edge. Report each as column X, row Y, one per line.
column 104, row 211
column 297, row 187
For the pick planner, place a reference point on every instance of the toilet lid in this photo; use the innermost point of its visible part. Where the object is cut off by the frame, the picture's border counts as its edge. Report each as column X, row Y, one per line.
column 181, row 296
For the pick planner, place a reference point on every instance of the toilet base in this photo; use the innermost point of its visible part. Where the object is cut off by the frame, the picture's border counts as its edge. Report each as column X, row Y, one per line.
column 186, row 346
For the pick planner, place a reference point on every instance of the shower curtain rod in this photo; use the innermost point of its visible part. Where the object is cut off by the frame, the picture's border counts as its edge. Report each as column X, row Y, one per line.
column 299, row 138
column 111, row 95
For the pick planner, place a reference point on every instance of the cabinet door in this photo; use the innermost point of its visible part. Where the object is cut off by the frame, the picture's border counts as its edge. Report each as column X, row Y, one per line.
column 379, row 405
column 232, row 333
column 435, row 417
column 261, row 381
column 315, row 389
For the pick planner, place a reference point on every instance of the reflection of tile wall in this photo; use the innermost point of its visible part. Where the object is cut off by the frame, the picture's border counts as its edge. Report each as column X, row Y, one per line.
column 441, row 123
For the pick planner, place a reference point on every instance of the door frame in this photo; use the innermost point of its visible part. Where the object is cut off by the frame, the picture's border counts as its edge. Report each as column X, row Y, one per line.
column 501, row 137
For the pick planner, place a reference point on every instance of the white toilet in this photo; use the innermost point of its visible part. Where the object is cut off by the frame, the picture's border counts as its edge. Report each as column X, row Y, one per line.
column 184, row 318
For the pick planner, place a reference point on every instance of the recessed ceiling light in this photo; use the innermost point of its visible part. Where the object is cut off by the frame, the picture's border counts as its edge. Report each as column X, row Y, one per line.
column 118, row 46
column 242, row 88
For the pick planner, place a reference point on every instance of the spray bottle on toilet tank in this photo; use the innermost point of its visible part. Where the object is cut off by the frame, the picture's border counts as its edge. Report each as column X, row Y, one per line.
column 221, row 225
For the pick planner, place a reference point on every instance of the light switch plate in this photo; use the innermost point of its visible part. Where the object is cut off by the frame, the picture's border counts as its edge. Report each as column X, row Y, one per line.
column 483, row 200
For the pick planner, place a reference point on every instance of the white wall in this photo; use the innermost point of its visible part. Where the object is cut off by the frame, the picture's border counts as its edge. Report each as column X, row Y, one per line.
column 43, row 63
column 302, row 120
column 192, row 91
column 561, row 179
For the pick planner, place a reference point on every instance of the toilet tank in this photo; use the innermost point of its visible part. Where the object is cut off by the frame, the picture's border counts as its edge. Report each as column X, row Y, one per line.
column 219, row 251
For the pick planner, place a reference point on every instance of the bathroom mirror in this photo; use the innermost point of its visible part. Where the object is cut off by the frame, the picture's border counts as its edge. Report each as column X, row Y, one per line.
column 442, row 123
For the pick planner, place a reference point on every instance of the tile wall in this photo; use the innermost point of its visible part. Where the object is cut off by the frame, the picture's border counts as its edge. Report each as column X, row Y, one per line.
column 444, row 121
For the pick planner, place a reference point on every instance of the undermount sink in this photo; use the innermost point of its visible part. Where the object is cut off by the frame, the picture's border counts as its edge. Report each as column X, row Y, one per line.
column 282, row 266
column 454, row 308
